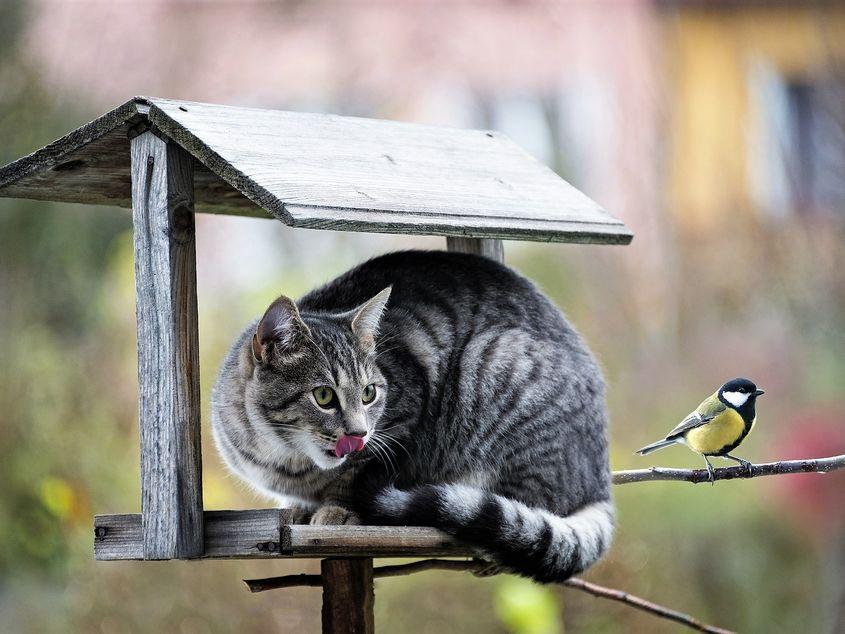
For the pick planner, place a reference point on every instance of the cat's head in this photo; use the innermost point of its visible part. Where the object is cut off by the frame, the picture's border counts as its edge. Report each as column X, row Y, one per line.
column 315, row 383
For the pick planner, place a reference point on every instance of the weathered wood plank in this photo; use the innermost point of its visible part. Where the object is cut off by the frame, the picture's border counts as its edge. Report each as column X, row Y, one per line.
column 369, row 541
column 436, row 224
column 348, row 596
column 326, row 172
column 118, row 537
column 493, row 249
column 266, row 533
column 168, row 349
column 254, row 533
column 92, row 165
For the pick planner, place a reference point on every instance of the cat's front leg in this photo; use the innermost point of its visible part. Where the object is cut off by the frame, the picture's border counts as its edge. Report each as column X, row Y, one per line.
column 333, row 515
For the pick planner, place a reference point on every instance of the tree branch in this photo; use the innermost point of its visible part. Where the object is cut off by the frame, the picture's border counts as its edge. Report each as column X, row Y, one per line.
column 288, row 581
column 813, row 465
column 642, row 604
column 483, row 568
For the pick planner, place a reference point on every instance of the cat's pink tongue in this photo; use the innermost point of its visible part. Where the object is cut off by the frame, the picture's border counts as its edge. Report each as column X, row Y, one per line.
column 348, row 444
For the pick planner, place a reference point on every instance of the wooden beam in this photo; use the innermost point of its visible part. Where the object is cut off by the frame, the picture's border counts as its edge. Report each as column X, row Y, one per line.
column 168, row 359
column 368, row 541
column 348, row 596
column 493, row 249
column 267, row 533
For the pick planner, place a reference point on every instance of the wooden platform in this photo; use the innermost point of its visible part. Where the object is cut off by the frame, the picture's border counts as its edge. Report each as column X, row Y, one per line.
column 267, row 534
column 324, row 172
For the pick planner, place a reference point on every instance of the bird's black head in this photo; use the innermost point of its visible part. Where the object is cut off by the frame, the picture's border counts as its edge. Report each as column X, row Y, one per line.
column 739, row 392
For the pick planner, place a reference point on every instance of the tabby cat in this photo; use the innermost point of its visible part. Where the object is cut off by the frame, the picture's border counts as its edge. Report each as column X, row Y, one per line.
column 426, row 389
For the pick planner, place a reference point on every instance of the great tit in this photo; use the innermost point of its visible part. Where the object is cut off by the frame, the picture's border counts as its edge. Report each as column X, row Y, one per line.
column 718, row 425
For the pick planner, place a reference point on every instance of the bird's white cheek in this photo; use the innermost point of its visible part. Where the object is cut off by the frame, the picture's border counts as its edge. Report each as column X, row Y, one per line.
column 737, row 399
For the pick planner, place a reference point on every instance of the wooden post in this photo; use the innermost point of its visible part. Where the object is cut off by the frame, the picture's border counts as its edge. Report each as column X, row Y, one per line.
column 493, row 249
column 348, row 596
column 168, row 355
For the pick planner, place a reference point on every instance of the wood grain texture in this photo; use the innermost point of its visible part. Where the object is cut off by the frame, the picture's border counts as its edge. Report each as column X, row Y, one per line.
column 493, row 249
column 168, row 349
column 348, row 596
column 267, row 533
column 91, row 165
column 118, row 537
column 370, row 541
column 253, row 534
column 327, row 172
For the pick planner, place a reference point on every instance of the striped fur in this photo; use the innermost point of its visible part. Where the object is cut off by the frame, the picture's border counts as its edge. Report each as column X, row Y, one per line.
column 531, row 541
column 490, row 421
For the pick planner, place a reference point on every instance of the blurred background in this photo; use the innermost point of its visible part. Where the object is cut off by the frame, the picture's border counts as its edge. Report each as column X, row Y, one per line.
column 715, row 130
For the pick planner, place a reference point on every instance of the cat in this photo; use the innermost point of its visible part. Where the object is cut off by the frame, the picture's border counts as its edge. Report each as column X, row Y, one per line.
column 426, row 389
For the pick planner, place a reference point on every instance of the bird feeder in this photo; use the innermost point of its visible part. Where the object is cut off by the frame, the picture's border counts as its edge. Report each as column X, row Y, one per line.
column 167, row 160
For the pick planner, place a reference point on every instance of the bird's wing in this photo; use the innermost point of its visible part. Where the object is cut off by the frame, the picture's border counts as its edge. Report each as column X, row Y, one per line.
column 707, row 411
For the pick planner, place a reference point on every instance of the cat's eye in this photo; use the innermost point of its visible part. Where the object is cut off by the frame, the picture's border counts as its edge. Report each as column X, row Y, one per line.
column 369, row 393
column 325, row 396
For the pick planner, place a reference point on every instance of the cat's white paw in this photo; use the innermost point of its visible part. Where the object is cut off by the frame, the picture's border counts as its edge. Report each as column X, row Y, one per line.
column 331, row 515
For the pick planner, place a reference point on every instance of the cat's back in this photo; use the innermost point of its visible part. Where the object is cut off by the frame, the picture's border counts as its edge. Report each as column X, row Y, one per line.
column 465, row 286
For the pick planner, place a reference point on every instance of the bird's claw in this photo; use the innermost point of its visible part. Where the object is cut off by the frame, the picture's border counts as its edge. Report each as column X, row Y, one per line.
column 711, row 474
column 747, row 466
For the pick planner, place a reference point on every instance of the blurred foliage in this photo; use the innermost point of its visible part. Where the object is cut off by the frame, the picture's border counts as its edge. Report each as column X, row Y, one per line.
column 527, row 608
column 53, row 269
column 765, row 299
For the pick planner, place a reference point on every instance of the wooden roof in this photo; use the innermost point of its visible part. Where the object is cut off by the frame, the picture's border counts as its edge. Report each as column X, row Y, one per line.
column 325, row 172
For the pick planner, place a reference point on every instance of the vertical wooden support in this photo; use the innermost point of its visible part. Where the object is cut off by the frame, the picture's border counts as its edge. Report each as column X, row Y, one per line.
column 168, row 354
column 493, row 249
column 348, row 596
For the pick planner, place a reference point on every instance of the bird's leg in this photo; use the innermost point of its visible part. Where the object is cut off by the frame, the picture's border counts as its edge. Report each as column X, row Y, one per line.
column 710, row 471
column 743, row 463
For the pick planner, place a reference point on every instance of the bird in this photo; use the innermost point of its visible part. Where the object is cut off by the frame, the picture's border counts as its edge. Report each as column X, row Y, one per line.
column 718, row 425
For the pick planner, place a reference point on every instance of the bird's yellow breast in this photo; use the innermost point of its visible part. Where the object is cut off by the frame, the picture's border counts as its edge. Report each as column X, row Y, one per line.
column 722, row 431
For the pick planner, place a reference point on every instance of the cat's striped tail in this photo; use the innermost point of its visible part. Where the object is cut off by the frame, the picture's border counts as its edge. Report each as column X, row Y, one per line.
column 529, row 541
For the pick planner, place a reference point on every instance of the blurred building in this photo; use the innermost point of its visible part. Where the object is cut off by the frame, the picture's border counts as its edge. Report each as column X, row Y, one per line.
column 757, row 109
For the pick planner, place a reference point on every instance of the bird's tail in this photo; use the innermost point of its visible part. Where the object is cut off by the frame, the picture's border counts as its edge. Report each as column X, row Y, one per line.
column 529, row 541
column 660, row 444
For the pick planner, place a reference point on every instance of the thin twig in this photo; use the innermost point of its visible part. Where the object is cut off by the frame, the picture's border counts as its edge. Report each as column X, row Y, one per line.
column 813, row 465
column 477, row 566
column 288, row 581
column 642, row 604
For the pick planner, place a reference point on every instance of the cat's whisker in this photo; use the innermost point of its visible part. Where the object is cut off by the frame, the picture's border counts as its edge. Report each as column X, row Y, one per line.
column 379, row 453
column 382, row 449
column 384, row 438
column 388, row 450
column 385, row 351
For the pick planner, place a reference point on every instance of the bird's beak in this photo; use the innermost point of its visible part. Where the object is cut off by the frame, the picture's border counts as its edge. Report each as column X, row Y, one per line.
column 759, row 393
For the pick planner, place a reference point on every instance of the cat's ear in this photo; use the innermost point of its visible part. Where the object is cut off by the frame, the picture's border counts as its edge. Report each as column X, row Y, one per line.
column 366, row 318
column 281, row 328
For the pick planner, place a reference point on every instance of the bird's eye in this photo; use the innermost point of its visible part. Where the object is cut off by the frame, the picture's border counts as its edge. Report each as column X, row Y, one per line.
column 325, row 396
column 369, row 393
